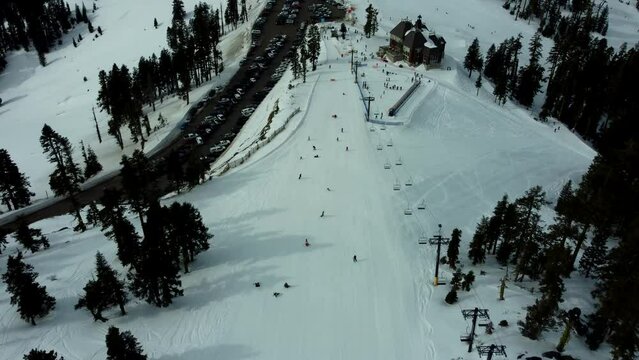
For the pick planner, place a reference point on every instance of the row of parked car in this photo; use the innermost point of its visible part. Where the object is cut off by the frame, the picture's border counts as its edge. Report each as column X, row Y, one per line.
column 289, row 13
column 321, row 12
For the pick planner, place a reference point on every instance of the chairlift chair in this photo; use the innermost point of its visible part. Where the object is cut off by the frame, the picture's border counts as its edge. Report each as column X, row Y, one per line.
column 383, row 127
column 409, row 182
column 423, row 239
column 408, row 211
column 379, row 147
column 399, row 161
column 390, row 143
column 422, row 205
column 387, row 165
column 396, row 186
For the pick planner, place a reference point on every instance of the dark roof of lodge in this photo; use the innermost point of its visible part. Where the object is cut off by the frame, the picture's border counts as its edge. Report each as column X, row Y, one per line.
column 414, row 39
column 400, row 29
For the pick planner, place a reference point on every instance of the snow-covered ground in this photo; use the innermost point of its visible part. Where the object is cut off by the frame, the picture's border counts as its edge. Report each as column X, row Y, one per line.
column 461, row 153
column 57, row 95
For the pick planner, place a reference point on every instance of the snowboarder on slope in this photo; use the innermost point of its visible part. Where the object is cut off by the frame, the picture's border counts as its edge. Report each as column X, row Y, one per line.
column 314, row 148
column 257, row 284
column 276, row 294
column 286, row 285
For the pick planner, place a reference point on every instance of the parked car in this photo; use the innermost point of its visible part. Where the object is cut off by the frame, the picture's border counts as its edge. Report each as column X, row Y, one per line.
column 228, row 136
column 216, row 149
column 248, row 111
column 224, row 143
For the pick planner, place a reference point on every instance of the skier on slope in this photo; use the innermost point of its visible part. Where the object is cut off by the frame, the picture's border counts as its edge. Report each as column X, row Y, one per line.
column 299, row 177
column 322, row 214
column 306, row 243
column 354, row 258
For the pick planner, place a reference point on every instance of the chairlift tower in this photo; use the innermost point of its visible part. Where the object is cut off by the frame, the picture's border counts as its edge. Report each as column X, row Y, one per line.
column 474, row 314
column 438, row 240
column 368, row 99
column 491, row 350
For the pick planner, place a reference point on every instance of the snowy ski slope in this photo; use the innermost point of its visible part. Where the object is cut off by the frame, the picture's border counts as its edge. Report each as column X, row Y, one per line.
column 461, row 152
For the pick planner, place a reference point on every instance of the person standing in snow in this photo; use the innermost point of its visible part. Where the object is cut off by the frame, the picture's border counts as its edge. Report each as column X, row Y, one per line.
column 347, row 148
column 354, row 258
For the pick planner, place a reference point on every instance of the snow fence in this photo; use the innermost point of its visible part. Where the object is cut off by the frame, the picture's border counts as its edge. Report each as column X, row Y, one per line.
column 253, row 147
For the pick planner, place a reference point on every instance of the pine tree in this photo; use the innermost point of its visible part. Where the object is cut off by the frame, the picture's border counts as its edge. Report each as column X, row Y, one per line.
column 90, row 27
column 123, row 233
column 477, row 251
column 496, row 224
column 594, row 257
column 453, row 248
column 195, row 172
column 3, row 240
column 175, row 171
column 123, row 346
column 478, row 84
column 156, row 278
column 32, row 298
column 14, row 185
column 36, row 354
column 295, row 64
column 31, row 239
column 370, row 27
column 451, row 297
column 66, row 178
column 186, row 233
column 91, row 164
column 343, row 30
column 468, row 281
column 105, row 291
column 137, row 177
column 303, row 61
column 93, row 214
column 313, row 46
column 540, row 315
column 473, row 59
column 531, row 75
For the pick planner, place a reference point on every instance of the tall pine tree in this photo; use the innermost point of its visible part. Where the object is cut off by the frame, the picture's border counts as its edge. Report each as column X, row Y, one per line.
column 30, row 297
column 14, row 185
column 123, row 346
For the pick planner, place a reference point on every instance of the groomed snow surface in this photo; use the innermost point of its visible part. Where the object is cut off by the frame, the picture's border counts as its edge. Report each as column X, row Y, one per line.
column 461, row 152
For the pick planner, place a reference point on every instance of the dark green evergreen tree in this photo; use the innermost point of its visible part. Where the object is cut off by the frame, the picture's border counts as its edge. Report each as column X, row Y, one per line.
column 473, row 59
column 156, row 277
column 594, row 257
column 36, row 354
column 67, row 176
column 3, row 240
column 313, row 45
column 105, row 291
column 123, row 346
column 137, row 176
column 186, row 233
column 31, row 239
column 91, row 164
column 477, row 251
column 453, row 248
column 30, row 297
column 14, row 185
column 541, row 314
column 532, row 75
column 371, row 25
column 343, row 30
